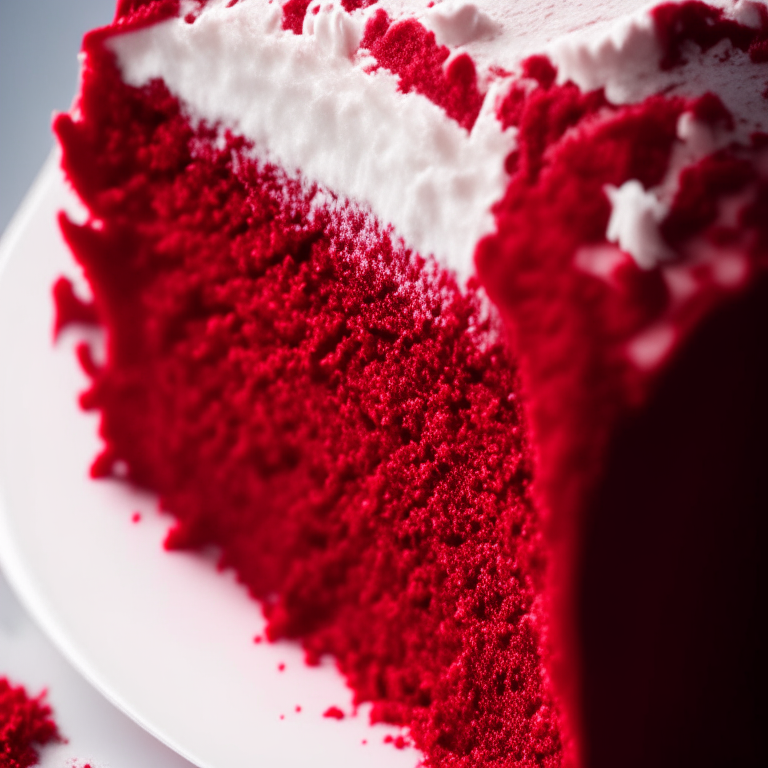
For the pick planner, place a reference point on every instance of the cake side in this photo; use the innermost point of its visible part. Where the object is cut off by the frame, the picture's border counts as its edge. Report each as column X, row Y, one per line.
column 601, row 336
column 324, row 406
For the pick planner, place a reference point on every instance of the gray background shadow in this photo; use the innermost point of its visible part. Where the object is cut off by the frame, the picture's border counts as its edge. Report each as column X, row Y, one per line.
column 39, row 43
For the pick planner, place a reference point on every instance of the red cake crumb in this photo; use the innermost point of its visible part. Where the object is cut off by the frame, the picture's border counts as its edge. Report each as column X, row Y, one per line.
column 334, row 713
column 398, row 742
column 134, row 14
column 70, row 308
column 411, row 51
column 353, row 5
column 294, row 12
column 25, row 723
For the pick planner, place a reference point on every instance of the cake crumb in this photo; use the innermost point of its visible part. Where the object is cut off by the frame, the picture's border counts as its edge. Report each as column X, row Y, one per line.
column 70, row 308
column 26, row 723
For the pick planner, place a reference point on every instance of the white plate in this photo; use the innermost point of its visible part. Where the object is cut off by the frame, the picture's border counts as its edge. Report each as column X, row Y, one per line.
column 95, row 732
column 164, row 636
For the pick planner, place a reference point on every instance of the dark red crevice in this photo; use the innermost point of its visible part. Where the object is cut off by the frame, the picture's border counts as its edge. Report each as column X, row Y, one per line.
column 675, row 554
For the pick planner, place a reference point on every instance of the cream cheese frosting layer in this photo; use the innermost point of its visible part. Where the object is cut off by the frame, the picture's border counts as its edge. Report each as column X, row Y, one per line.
column 316, row 105
column 309, row 106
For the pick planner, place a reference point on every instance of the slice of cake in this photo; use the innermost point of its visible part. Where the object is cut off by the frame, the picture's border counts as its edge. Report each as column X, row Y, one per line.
column 445, row 324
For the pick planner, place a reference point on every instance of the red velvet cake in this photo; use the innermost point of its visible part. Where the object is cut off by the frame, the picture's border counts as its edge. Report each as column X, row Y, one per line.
column 446, row 325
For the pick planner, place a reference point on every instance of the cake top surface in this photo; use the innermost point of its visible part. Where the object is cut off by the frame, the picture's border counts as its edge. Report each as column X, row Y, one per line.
column 369, row 105
column 501, row 33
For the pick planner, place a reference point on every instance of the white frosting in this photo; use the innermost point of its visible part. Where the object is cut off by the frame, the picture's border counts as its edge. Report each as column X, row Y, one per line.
column 335, row 31
column 308, row 105
column 315, row 104
column 626, row 61
column 456, row 22
column 521, row 27
column 634, row 223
